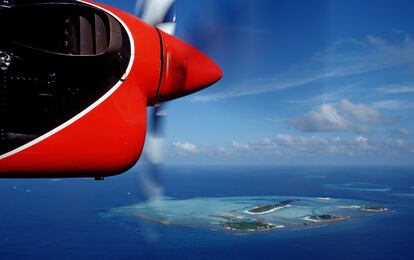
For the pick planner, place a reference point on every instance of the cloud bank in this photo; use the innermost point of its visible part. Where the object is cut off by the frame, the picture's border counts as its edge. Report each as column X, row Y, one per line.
column 297, row 149
column 342, row 116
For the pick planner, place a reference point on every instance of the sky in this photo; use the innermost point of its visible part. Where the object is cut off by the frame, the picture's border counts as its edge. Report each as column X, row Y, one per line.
column 305, row 83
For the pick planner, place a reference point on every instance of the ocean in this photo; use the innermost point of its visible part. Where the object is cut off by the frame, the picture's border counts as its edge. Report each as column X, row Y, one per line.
column 65, row 219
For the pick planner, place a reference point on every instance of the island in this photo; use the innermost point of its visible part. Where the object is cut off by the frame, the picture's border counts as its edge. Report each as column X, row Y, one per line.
column 325, row 218
column 373, row 209
column 270, row 208
column 250, row 226
column 240, row 224
column 247, row 214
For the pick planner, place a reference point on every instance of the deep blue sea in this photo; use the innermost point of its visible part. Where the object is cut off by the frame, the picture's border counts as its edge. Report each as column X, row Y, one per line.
column 62, row 219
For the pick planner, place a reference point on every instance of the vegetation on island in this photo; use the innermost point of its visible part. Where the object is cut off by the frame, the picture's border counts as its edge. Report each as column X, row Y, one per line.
column 249, row 226
column 270, row 207
column 325, row 217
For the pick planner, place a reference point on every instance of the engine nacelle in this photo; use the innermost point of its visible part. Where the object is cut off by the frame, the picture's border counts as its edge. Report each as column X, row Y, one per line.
column 75, row 80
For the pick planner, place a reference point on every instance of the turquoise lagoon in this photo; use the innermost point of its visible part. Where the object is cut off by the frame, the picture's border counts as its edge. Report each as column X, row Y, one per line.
column 214, row 213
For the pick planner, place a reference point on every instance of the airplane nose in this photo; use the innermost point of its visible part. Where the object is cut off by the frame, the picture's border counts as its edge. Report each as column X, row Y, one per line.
column 185, row 69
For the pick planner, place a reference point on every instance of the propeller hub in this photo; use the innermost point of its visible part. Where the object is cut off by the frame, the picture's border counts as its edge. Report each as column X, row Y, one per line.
column 185, row 69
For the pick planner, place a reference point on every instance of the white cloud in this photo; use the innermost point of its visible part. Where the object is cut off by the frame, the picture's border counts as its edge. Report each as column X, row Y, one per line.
column 398, row 88
column 402, row 133
column 342, row 116
column 240, row 146
column 325, row 97
column 360, row 112
column 261, row 86
column 324, row 118
column 362, row 142
column 390, row 104
column 387, row 104
column 223, row 150
column 345, row 57
column 184, row 147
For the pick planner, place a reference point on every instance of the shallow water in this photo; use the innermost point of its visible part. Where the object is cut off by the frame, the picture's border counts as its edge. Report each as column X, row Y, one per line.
column 359, row 186
column 205, row 212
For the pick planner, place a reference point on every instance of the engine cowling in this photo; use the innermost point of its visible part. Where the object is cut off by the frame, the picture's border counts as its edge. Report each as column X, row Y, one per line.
column 75, row 80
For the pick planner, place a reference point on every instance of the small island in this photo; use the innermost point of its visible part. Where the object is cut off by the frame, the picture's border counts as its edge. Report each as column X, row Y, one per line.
column 374, row 209
column 325, row 218
column 250, row 226
column 270, row 208
column 324, row 198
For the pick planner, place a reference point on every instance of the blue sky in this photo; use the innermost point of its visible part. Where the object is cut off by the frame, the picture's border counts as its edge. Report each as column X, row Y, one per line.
column 306, row 82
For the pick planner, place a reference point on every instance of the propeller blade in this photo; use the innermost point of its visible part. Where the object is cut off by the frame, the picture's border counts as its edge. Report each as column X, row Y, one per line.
column 161, row 14
column 155, row 137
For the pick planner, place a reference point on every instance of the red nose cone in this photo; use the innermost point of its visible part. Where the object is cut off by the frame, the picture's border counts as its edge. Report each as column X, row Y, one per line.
column 201, row 71
column 185, row 70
